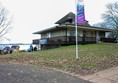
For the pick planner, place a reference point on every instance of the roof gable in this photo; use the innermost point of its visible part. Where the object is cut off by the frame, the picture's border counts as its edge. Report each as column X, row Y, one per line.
column 70, row 19
column 65, row 18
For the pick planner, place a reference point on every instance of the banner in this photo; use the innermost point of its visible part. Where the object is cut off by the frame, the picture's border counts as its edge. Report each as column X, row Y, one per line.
column 43, row 41
column 80, row 12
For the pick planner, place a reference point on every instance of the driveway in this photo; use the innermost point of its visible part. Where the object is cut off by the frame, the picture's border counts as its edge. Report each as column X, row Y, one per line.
column 19, row 73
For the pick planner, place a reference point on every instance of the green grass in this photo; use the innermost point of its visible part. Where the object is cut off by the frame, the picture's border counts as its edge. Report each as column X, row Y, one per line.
column 92, row 58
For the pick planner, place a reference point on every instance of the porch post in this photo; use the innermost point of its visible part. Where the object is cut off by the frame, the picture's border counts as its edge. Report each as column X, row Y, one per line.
column 66, row 36
column 97, row 36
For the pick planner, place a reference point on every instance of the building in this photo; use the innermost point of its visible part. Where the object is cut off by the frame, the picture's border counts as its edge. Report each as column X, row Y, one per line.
column 64, row 33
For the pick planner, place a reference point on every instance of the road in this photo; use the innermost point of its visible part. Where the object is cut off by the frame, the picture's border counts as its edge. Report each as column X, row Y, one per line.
column 19, row 73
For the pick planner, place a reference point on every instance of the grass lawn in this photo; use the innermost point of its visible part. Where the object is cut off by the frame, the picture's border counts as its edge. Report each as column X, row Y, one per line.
column 92, row 58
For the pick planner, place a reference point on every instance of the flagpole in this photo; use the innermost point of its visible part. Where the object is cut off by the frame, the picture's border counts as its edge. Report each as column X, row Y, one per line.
column 76, row 30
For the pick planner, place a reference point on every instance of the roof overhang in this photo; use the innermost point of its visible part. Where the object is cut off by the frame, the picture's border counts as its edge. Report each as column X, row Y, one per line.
column 88, row 28
column 48, row 30
column 80, row 27
column 45, row 30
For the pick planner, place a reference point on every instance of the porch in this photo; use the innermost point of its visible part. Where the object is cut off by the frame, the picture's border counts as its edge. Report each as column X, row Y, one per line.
column 63, row 40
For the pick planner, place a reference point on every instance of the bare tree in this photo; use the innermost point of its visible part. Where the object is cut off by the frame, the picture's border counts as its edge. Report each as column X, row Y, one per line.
column 5, row 22
column 111, row 18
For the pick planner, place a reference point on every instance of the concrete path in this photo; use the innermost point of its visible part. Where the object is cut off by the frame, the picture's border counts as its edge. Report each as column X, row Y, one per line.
column 19, row 73
column 105, row 76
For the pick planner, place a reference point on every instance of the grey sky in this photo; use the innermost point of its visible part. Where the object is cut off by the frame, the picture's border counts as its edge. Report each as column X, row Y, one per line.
column 34, row 15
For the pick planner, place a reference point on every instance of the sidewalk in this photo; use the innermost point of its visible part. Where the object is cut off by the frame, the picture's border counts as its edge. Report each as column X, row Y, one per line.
column 105, row 76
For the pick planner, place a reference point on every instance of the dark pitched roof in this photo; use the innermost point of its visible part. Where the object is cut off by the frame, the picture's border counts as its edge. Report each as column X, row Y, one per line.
column 62, row 24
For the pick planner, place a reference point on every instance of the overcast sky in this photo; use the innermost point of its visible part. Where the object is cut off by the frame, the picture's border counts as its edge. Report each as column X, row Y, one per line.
column 34, row 15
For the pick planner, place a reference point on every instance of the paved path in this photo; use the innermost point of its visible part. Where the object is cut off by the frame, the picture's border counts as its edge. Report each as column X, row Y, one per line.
column 105, row 76
column 18, row 73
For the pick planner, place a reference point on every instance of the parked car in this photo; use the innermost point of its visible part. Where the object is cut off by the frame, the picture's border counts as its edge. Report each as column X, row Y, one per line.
column 5, row 50
column 15, row 48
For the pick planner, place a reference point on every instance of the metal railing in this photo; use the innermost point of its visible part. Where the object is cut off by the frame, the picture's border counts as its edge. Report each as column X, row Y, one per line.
column 66, row 40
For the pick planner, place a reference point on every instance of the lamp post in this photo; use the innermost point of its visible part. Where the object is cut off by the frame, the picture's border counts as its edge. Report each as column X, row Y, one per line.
column 76, row 30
